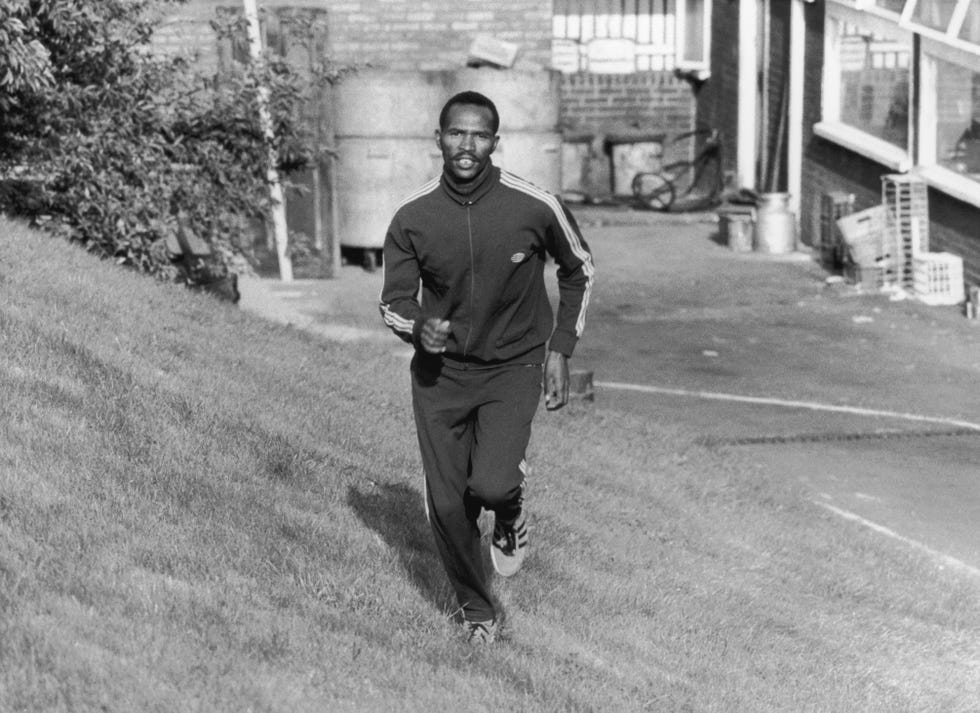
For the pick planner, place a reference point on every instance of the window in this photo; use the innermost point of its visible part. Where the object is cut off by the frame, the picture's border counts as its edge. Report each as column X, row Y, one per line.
column 868, row 55
column 958, row 118
column 950, row 120
column 874, row 84
column 626, row 36
column 867, row 77
column 955, row 22
column 934, row 14
column 895, row 6
column 970, row 30
column 694, row 20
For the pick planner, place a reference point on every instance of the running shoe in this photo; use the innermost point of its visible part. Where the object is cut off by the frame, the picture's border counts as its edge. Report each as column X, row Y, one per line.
column 509, row 546
column 481, row 633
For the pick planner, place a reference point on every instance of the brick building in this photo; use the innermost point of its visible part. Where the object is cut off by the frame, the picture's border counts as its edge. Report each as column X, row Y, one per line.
column 809, row 97
column 847, row 97
column 614, row 64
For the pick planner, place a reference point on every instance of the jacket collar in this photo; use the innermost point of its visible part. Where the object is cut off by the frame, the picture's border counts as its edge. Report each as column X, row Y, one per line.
column 474, row 190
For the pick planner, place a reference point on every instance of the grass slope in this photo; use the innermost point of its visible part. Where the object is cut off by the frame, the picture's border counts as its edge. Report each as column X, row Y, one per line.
column 200, row 511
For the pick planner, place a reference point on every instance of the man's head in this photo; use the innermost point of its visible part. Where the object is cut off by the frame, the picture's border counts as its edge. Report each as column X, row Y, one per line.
column 467, row 135
column 472, row 99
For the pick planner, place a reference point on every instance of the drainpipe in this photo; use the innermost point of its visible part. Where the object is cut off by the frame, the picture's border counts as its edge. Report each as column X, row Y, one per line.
column 794, row 146
column 765, row 100
column 272, row 174
column 748, row 94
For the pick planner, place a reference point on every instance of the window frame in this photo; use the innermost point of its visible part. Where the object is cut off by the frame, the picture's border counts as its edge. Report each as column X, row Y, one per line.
column 951, row 36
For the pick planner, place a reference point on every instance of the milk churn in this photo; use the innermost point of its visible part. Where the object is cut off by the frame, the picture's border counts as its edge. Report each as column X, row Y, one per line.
column 775, row 229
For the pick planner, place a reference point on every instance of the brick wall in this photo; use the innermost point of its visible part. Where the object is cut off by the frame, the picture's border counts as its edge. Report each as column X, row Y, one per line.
column 953, row 228
column 817, row 179
column 652, row 102
column 395, row 34
column 828, row 167
column 435, row 34
column 626, row 108
column 717, row 100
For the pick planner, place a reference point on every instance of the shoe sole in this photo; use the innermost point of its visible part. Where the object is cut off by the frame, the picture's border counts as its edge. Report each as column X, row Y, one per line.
column 503, row 565
column 509, row 565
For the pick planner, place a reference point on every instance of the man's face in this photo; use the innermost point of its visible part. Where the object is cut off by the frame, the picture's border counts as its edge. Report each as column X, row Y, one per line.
column 466, row 141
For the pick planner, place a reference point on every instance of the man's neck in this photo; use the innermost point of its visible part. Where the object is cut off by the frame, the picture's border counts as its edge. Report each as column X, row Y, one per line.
column 462, row 189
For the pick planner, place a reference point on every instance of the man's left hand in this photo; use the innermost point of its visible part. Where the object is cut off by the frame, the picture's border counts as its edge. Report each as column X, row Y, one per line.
column 555, row 381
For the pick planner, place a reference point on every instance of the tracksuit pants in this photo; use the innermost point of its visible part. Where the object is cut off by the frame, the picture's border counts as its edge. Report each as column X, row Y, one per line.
column 474, row 426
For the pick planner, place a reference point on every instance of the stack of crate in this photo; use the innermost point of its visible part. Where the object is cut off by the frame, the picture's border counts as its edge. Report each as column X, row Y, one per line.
column 906, row 201
column 869, row 252
column 933, row 278
column 887, row 245
column 834, row 206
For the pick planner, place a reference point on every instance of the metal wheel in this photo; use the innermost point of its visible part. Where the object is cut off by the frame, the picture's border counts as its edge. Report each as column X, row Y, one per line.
column 653, row 191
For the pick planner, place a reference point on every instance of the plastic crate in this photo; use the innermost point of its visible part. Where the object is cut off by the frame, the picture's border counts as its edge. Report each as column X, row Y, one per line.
column 906, row 199
column 833, row 206
column 938, row 278
column 866, row 242
column 867, row 277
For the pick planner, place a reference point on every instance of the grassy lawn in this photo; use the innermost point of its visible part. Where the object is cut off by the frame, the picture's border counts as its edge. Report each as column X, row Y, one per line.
column 200, row 511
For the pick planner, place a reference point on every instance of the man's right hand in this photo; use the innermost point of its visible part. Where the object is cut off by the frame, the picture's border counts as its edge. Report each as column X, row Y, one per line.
column 435, row 332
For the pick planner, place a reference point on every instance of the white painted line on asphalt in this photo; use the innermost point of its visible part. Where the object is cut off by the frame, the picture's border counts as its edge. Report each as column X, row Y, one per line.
column 945, row 559
column 811, row 405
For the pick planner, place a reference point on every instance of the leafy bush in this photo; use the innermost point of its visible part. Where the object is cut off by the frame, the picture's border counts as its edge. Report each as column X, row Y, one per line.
column 120, row 139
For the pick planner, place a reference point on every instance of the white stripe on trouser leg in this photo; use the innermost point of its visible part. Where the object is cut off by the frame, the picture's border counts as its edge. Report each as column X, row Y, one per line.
column 525, row 471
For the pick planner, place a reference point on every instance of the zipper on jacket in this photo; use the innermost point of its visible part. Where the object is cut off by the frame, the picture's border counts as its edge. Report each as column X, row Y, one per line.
column 469, row 234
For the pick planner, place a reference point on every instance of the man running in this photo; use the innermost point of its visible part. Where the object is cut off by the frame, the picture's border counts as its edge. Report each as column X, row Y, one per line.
column 476, row 240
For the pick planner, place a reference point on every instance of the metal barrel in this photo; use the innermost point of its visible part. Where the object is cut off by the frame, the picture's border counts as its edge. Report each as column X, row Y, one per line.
column 529, row 106
column 384, row 123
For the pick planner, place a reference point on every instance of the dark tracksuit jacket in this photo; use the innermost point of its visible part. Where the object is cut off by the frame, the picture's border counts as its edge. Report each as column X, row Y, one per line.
column 477, row 259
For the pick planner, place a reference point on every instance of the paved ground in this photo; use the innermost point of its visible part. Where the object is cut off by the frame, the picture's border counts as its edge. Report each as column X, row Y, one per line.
column 871, row 402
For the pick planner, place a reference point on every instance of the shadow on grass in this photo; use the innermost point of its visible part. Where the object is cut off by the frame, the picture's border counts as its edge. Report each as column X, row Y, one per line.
column 395, row 512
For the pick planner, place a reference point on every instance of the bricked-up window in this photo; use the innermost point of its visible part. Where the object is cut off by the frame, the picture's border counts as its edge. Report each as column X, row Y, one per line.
column 627, row 36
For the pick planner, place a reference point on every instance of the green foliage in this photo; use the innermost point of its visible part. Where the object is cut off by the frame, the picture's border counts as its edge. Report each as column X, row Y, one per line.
column 108, row 145
column 25, row 63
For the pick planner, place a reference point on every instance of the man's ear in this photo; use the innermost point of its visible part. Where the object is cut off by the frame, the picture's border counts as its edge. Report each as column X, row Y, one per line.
column 438, row 137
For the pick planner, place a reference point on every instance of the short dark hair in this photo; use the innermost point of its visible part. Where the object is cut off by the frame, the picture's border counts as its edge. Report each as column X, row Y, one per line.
column 471, row 99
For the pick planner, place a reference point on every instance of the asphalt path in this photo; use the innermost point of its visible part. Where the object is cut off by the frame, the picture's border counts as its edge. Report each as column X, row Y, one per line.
column 870, row 402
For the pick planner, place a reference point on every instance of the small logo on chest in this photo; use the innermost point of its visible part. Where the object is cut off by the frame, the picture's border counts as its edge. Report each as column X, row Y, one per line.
column 518, row 258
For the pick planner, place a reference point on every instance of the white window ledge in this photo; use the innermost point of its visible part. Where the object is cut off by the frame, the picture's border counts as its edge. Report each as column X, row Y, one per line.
column 879, row 150
column 951, row 182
